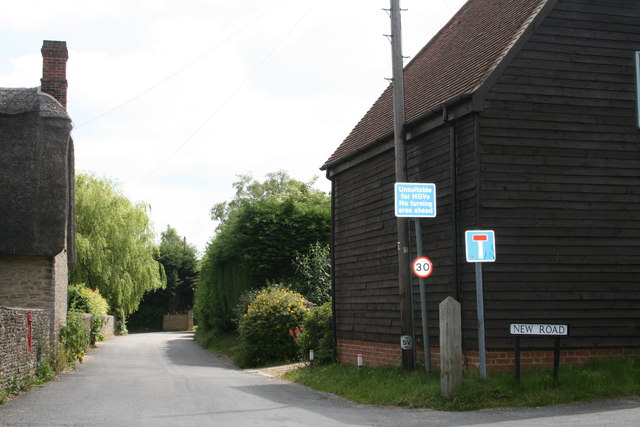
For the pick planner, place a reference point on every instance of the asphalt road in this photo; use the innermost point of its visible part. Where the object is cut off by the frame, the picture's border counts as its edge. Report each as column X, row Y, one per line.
column 166, row 379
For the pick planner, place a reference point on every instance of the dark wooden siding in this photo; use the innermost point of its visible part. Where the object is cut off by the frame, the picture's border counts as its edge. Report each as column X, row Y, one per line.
column 560, row 173
column 365, row 256
column 429, row 161
column 365, row 267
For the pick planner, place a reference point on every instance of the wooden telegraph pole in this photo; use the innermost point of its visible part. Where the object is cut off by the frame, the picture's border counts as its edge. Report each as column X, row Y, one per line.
column 406, row 308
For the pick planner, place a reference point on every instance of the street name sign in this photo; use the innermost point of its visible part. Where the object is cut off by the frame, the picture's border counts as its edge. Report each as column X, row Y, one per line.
column 415, row 200
column 480, row 245
column 538, row 329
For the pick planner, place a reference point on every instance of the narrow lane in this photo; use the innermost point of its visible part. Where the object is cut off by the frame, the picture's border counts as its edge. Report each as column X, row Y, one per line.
column 166, row 379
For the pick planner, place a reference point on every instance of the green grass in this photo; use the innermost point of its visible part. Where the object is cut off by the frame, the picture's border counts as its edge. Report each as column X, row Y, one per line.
column 600, row 379
column 227, row 344
column 415, row 389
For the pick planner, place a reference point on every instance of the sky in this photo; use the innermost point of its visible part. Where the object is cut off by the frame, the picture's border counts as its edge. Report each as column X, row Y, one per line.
column 173, row 99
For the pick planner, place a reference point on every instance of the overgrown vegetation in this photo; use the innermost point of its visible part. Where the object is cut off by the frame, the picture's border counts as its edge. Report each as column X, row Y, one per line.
column 599, row 379
column 74, row 340
column 312, row 273
column 317, row 334
column 81, row 299
column 260, row 233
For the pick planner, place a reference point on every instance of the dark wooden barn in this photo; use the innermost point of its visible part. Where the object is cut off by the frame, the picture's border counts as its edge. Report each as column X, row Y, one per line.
column 524, row 115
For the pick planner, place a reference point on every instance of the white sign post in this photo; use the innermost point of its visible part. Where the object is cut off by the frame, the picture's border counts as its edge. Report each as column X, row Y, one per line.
column 480, row 247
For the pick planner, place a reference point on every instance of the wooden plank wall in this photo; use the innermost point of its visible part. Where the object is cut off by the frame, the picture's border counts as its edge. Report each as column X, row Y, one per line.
column 366, row 268
column 560, row 158
column 428, row 158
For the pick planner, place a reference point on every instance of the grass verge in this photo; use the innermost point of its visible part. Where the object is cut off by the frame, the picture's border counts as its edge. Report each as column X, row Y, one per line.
column 226, row 343
column 598, row 379
column 415, row 389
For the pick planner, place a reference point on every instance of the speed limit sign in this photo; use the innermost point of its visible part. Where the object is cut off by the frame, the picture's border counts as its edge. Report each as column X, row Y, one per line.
column 422, row 267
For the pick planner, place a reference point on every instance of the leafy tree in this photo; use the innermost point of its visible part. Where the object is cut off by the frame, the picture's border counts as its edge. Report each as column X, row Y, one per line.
column 278, row 186
column 180, row 264
column 312, row 276
column 115, row 245
column 261, row 230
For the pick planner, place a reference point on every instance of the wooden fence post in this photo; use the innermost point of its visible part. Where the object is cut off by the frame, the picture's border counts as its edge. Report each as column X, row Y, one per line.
column 450, row 347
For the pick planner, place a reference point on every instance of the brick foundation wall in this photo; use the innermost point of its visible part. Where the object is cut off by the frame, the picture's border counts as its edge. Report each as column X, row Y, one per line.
column 15, row 358
column 178, row 322
column 385, row 354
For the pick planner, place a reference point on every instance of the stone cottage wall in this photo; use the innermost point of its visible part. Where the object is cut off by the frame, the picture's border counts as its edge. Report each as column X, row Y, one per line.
column 17, row 359
column 108, row 324
column 36, row 283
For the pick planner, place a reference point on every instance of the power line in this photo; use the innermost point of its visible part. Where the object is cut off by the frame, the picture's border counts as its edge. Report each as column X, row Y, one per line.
column 227, row 100
column 185, row 67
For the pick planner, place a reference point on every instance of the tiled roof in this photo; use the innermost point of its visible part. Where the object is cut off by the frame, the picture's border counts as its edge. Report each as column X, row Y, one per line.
column 453, row 64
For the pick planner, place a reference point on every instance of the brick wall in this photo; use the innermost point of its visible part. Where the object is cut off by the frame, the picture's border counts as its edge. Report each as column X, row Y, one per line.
column 16, row 359
column 385, row 354
column 54, row 70
column 178, row 322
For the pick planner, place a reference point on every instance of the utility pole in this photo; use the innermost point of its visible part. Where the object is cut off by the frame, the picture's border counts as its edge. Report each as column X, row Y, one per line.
column 404, row 278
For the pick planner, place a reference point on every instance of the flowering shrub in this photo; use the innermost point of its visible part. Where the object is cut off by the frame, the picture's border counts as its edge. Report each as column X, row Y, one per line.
column 264, row 328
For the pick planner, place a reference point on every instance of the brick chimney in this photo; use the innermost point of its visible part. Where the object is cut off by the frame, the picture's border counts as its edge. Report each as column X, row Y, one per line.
column 54, row 70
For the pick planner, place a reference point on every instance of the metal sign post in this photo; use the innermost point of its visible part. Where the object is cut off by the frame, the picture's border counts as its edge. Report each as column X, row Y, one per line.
column 418, row 200
column 423, row 267
column 480, row 247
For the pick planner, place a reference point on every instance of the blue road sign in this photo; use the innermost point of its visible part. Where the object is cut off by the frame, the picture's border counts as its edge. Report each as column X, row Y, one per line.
column 480, row 245
column 415, row 200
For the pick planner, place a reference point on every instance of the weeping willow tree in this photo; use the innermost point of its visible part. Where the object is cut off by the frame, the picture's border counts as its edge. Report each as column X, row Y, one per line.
column 115, row 245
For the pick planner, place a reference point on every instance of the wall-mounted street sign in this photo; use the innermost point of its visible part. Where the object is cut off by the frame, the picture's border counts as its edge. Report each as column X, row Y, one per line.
column 415, row 200
column 480, row 245
column 538, row 329
column 422, row 267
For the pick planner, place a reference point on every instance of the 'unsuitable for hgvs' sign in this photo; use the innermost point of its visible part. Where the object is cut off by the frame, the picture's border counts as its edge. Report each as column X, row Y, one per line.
column 538, row 329
column 415, row 200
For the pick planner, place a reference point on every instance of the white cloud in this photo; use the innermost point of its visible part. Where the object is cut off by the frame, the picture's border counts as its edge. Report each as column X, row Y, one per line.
column 175, row 98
